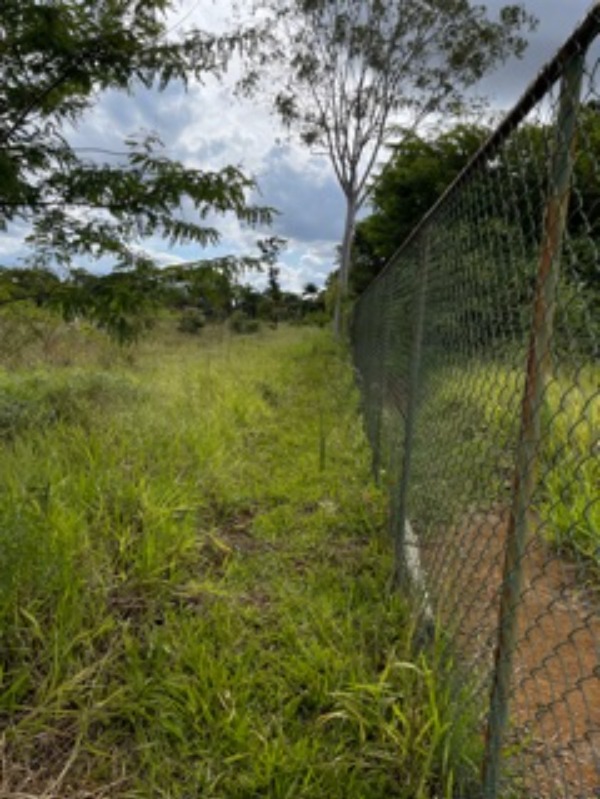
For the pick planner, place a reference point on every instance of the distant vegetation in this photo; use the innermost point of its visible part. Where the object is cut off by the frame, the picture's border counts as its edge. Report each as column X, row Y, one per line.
column 345, row 72
column 126, row 303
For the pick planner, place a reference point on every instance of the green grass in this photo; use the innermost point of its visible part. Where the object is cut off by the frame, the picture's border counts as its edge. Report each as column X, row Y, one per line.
column 194, row 583
column 466, row 443
column 569, row 503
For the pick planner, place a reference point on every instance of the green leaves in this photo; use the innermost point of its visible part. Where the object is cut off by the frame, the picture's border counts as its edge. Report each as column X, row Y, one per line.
column 142, row 198
column 54, row 59
column 413, row 179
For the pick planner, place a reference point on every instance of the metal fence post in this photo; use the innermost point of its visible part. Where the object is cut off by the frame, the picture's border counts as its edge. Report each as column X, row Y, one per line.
column 538, row 365
column 400, row 520
column 384, row 327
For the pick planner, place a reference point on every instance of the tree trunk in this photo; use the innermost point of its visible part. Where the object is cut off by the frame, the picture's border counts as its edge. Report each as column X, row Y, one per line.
column 339, row 318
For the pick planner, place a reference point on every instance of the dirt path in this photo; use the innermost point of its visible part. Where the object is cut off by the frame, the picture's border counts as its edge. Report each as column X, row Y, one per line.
column 555, row 703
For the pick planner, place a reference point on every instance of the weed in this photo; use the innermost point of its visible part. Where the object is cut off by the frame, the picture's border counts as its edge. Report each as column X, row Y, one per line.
column 240, row 322
column 38, row 399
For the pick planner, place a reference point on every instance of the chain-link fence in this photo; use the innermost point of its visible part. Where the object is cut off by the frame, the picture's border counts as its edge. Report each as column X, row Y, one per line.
column 477, row 349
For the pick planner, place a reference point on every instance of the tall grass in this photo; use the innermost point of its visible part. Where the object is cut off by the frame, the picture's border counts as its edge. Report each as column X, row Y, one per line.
column 193, row 583
column 569, row 504
column 466, row 448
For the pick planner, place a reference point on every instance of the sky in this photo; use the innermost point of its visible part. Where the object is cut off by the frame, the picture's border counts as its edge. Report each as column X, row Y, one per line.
column 208, row 127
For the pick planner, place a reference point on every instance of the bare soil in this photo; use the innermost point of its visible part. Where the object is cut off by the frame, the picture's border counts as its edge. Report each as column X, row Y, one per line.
column 554, row 739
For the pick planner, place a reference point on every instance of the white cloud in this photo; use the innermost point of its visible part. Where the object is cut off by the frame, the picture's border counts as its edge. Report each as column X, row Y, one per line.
column 12, row 245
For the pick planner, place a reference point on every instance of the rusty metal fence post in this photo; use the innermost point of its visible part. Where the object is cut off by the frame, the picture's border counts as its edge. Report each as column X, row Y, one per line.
column 529, row 440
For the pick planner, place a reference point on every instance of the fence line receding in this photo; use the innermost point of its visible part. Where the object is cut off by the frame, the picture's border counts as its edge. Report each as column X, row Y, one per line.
column 477, row 349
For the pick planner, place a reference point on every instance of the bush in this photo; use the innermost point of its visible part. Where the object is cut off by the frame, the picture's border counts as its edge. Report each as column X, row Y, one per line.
column 36, row 401
column 241, row 323
column 191, row 321
column 317, row 318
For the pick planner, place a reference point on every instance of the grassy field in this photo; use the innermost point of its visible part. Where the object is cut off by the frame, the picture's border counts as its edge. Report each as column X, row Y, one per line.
column 194, row 580
column 470, row 420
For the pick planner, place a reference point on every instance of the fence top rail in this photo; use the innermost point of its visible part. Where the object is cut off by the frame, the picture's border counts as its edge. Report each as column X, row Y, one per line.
column 578, row 42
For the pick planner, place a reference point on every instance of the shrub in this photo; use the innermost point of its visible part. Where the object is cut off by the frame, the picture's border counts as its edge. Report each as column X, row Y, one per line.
column 317, row 318
column 38, row 400
column 191, row 321
column 241, row 323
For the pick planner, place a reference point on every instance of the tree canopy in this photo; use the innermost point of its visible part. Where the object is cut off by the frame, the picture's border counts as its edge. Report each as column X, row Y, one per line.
column 55, row 58
column 418, row 171
column 500, row 230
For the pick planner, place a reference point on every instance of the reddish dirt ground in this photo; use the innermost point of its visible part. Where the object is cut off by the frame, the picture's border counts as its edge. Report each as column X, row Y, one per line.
column 555, row 702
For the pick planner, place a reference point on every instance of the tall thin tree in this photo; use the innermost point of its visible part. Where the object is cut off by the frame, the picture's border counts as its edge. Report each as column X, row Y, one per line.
column 347, row 70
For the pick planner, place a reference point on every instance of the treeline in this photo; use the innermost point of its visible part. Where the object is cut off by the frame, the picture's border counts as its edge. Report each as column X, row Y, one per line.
column 125, row 303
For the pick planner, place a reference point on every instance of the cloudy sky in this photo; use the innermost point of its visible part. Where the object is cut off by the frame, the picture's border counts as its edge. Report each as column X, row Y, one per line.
column 208, row 128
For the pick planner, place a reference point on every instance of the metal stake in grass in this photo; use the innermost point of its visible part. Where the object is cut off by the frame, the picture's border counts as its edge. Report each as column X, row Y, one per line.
column 402, row 565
